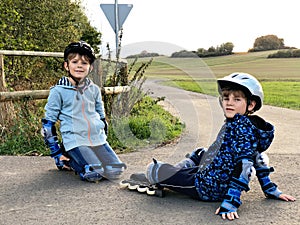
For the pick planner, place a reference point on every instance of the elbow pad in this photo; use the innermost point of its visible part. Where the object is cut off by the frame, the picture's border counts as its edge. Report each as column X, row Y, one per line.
column 50, row 137
column 242, row 175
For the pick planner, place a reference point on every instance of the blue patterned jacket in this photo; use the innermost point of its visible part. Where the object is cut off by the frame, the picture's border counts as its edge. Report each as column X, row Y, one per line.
column 239, row 138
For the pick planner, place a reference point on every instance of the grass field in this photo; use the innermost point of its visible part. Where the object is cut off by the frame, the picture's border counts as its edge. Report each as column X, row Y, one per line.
column 280, row 78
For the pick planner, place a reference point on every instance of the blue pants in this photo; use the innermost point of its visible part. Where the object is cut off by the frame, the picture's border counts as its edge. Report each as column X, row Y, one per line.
column 179, row 180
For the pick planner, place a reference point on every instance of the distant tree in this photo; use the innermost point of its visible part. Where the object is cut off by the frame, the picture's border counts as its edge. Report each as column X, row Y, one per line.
column 267, row 42
column 143, row 54
column 211, row 49
column 226, row 48
column 184, row 54
column 223, row 49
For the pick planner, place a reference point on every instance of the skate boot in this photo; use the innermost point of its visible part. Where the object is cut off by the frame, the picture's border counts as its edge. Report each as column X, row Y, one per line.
column 91, row 175
column 140, row 183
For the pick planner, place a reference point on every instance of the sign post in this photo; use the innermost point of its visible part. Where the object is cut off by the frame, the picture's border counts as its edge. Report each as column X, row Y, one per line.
column 116, row 15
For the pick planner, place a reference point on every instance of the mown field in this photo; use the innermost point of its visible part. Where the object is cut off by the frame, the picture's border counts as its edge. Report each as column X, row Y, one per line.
column 280, row 78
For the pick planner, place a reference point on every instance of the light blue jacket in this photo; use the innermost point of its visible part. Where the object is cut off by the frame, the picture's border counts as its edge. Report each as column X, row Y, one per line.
column 79, row 110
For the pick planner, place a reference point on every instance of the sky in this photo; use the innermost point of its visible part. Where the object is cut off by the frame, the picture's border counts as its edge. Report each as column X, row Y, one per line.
column 167, row 25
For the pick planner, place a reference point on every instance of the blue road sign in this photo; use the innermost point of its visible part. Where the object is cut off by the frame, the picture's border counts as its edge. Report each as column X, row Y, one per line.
column 122, row 12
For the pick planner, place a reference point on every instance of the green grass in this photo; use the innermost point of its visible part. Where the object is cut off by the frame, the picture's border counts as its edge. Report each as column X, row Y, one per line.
column 284, row 94
column 280, row 78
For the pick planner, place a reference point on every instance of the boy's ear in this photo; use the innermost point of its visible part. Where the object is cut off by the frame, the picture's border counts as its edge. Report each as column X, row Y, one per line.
column 251, row 106
column 66, row 66
column 91, row 68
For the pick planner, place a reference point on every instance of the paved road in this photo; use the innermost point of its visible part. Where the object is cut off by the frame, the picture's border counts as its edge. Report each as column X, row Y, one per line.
column 32, row 191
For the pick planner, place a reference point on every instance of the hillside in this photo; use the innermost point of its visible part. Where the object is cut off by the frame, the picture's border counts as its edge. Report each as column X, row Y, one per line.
column 280, row 77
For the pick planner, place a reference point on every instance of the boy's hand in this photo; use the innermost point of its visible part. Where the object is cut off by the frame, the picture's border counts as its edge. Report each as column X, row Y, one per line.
column 287, row 198
column 59, row 161
column 230, row 215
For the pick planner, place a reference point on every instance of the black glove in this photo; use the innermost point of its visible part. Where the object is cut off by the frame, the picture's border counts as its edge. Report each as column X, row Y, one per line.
column 105, row 126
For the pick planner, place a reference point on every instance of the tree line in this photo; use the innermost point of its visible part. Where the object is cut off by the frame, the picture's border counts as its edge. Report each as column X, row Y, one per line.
column 263, row 43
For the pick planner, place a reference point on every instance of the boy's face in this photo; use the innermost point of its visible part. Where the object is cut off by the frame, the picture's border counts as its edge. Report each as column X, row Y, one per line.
column 78, row 66
column 234, row 102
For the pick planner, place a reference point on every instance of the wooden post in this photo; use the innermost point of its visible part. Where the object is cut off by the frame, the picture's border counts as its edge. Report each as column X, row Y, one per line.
column 6, row 108
column 2, row 80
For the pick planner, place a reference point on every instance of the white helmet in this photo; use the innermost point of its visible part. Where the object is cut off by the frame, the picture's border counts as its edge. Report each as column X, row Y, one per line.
column 247, row 83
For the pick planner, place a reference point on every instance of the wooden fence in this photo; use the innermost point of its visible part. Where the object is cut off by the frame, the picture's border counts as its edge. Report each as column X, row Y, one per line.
column 42, row 94
column 6, row 107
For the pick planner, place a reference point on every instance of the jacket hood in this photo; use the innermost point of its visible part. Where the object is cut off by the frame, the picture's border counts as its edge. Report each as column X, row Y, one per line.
column 265, row 131
column 66, row 83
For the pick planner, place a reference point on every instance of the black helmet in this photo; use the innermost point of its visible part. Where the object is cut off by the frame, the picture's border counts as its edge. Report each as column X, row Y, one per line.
column 82, row 48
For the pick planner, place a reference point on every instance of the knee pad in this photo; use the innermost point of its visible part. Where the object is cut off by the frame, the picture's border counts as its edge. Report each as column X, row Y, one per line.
column 243, row 173
column 113, row 166
column 152, row 171
column 114, row 170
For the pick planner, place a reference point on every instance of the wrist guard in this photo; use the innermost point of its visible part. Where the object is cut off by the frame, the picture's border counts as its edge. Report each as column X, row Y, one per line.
column 269, row 188
column 242, row 175
column 263, row 172
column 50, row 137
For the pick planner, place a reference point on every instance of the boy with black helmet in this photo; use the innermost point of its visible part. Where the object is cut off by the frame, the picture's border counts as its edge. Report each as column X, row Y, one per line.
column 223, row 171
column 77, row 103
column 81, row 48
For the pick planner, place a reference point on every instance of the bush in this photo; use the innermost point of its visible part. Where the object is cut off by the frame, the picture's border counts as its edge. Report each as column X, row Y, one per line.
column 23, row 136
column 296, row 53
column 286, row 53
column 184, row 54
column 147, row 124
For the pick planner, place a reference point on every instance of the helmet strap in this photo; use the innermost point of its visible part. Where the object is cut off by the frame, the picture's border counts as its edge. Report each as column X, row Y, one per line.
column 77, row 82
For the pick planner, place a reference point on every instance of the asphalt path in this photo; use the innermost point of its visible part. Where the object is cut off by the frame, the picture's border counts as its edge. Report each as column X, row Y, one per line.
column 33, row 191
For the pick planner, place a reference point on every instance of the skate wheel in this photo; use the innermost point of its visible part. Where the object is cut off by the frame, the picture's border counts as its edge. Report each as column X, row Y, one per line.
column 150, row 191
column 142, row 188
column 123, row 184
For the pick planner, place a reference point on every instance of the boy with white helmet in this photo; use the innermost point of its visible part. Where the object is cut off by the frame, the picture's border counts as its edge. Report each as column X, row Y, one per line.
column 224, row 170
column 77, row 103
